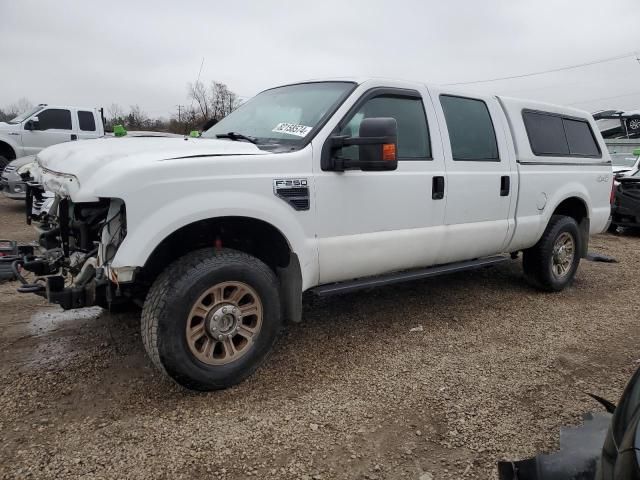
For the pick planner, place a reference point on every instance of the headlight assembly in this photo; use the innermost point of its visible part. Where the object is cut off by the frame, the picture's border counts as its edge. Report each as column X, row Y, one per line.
column 26, row 168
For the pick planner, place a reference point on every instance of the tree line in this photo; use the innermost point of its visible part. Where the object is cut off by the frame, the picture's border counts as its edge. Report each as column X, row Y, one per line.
column 208, row 103
column 11, row 111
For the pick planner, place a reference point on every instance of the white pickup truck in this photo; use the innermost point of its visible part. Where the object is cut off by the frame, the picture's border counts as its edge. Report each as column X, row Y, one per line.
column 323, row 186
column 47, row 125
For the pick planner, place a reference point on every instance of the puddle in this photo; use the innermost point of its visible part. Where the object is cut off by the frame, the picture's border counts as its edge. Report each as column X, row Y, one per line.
column 47, row 321
column 49, row 336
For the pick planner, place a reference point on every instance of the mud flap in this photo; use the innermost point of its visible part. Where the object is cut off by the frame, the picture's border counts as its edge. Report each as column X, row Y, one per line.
column 584, row 226
column 290, row 279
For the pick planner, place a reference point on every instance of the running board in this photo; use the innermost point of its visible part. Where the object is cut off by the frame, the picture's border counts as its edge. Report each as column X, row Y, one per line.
column 405, row 276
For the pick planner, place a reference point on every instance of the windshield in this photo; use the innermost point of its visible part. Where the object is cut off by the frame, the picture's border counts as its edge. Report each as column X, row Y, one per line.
column 20, row 118
column 284, row 115
column 623, row 160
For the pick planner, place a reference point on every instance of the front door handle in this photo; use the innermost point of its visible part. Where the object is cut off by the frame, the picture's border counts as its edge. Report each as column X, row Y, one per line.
column 505, row 185
column 437, row 188
column 74, row 136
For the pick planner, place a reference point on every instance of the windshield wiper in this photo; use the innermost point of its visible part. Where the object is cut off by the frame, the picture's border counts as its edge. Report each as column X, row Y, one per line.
column 237, row 136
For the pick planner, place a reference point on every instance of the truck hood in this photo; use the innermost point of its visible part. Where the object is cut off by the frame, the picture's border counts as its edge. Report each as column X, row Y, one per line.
column 6, row 126
column 84, row 158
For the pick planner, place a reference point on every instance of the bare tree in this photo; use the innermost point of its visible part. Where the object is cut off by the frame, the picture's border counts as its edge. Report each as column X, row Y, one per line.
column 198, row 93
column 223, row 100
column 136, row 119
column 22, row 105
column 216, row 102
column 115, row 116
column 5, row 115
column 115, row 111
column 11, row 111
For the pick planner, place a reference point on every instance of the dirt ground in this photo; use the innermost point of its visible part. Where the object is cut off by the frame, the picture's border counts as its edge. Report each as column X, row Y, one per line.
column 492, row 372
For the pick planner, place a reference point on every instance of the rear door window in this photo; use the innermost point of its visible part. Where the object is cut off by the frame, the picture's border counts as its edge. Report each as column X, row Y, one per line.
column 54, row 119
column 87, row 121
column 470, row 128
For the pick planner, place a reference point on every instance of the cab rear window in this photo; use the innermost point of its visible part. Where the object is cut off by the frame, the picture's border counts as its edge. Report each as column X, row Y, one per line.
column 553, row 135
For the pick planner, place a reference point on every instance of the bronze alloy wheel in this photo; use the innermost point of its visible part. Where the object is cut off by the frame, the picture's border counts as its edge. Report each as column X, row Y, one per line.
column 564, row 251
column 223, row 322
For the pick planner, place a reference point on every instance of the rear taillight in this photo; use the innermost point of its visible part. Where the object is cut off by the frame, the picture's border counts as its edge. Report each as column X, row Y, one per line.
column 613, row 191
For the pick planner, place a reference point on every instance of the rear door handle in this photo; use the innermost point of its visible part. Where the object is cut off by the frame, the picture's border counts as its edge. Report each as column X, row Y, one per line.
column 505, row 185
column 437, row 188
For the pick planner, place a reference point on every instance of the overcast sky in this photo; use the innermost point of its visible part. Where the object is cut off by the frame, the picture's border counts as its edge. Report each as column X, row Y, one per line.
column 145, row 52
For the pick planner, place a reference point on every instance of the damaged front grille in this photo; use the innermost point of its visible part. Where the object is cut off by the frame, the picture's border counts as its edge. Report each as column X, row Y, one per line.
column 77, row 240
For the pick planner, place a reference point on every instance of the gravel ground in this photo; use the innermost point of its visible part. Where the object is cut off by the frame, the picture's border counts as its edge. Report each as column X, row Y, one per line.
column 491, row 371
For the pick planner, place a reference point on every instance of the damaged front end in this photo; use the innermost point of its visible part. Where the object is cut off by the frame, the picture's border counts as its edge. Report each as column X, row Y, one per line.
column 76, row 243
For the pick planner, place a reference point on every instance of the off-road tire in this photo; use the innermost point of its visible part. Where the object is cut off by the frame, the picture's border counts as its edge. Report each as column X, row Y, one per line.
column 168, row 306
column 537, row 260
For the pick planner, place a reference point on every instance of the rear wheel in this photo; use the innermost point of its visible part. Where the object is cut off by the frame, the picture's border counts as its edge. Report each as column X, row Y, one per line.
column 552, row 263
column 211, row 318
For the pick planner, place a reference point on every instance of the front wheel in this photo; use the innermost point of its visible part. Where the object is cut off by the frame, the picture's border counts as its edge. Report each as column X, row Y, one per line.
column 552, row 263
column 211, row 318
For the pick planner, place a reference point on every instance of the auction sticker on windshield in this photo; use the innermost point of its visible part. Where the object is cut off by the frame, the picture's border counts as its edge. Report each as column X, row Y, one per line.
column 292, row 129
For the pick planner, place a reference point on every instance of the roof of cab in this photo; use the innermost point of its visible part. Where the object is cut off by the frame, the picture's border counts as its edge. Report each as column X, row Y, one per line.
column 509, row 103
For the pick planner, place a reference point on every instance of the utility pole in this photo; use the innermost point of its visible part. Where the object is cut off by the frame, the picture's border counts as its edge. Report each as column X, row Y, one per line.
column 180, row 107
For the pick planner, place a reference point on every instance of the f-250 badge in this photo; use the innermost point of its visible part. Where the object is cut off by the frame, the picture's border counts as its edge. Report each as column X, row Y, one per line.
column 294, row 191
column 288, row 183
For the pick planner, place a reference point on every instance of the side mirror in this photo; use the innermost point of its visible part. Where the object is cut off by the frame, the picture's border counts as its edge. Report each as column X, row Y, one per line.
column 32, row 124
column 378, row 146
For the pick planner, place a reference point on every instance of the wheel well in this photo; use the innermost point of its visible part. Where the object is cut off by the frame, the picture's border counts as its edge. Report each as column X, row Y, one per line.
column 249, row 235
column 7, row 151
column 576, row 208
column 572, row 207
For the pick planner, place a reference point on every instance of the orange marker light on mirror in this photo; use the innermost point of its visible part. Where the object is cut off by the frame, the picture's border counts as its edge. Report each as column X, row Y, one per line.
column 389, row 152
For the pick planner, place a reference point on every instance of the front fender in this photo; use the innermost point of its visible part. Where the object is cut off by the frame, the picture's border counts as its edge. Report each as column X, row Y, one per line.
column 9, row 140
column 149, row 227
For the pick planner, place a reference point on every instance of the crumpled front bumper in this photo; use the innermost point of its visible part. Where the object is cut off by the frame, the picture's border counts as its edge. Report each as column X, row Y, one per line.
column 69, row 263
